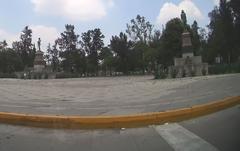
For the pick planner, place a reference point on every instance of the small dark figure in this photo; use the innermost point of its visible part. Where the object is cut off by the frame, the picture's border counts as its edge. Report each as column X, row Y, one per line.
column 39, row 44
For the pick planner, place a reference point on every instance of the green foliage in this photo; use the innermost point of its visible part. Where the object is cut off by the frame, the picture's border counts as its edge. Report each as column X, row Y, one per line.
column 139, row 29
column 221, row 39
column 224, row 68
column 174, row 73
column 139, row 50
column 64, row 75
column 196, row 43
column 122, row 47
column 160, row 73
column 171, row 42
column 69, row 53
column 52, row 57
column 7, row 75
column 45, row 76
column 3, row 44
column 204, row 72
column 184, row 73
column 25, row 48
column 10, row 61
column 192, row 73
column 92, row 44
column 107, row 60
column 235, row 7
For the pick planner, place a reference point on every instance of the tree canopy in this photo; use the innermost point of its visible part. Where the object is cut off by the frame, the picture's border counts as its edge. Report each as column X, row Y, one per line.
column 141, row 48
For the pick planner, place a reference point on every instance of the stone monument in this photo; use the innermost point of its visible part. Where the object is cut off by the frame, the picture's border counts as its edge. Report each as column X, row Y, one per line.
column 39, row 63
column 189, row 65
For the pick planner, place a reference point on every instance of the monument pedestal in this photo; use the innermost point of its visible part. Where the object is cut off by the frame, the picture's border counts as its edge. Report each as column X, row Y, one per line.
column 39, row 63
column 189, row 65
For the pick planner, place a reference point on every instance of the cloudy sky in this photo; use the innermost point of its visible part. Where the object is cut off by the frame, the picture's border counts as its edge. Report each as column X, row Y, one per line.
column 47, row 17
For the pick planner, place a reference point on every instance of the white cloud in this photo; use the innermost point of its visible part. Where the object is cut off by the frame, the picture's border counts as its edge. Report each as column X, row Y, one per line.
column 47, row 35
column 170, row 10
column 80, row 10
column 9, row 37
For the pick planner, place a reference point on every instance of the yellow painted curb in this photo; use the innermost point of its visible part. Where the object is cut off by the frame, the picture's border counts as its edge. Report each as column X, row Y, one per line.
column 137, row 120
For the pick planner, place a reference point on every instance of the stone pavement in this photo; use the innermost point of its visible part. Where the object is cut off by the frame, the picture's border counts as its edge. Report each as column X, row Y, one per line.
column 112, row 96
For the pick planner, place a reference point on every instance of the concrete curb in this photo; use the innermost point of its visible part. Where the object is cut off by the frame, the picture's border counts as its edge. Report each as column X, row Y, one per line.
column 103, row 122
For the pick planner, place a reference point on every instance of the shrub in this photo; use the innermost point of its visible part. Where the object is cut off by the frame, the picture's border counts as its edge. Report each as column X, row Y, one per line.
column 35, row 76
column 64, row 75
column 224, row 68
column 192, row 73
column 204, row 72
column 45, row 76
column 174, row 73
column 160, row 74
column 184, row 73
column 7, row 75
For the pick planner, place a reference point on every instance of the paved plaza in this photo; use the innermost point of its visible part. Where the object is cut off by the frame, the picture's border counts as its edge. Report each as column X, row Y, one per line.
column 113, row 95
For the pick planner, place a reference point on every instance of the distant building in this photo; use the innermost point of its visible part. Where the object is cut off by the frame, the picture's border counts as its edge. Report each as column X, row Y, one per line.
column 189, row 65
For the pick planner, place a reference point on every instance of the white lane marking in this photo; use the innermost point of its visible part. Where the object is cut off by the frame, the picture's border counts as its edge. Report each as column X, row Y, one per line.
column 183, row 140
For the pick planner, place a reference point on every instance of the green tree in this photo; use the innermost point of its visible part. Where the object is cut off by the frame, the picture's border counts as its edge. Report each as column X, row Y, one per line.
column 170, row 42
column 139, row 29
column 235, row 7
column 52, row 57
column 195, row 38
column 3, row 44
column 92, row 44
column 221, row 31
column 122, row 47
column 203, row 50
column 10, row 61
column 25, row 48
column 71, row 55
column 107, row 60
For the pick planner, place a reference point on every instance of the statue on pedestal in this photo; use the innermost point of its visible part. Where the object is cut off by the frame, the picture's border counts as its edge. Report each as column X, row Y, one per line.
column 39, row 63
column 39, row 44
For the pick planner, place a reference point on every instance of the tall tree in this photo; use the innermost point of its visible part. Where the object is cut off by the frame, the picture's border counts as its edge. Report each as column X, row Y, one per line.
column 122, row 47
column 140, row 31
column 106, row 57
column 221, row 40
column 171, row 42
column 69, row 52
column 92, row 44
column 235, row 7
column 25, row 48
column 52, row 57
column 195, row 37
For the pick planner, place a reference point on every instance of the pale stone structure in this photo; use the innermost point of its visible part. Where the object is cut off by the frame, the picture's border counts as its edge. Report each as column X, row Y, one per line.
column 188, row 65
column 39, row 63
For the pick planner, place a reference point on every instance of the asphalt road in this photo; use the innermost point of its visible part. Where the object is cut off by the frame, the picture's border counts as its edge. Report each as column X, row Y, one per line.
column 218, row 131
column 113, row 96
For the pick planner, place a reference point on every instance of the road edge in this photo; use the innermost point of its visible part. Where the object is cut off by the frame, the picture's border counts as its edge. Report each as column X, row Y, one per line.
column 119, row 121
